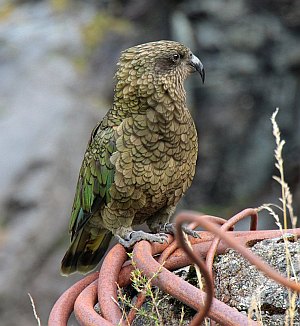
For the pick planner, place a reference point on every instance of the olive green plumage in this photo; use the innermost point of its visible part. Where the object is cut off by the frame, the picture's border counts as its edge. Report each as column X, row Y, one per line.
column 141, row 157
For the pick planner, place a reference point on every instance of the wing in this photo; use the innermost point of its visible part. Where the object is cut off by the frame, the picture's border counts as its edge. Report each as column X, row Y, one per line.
column 95, row 178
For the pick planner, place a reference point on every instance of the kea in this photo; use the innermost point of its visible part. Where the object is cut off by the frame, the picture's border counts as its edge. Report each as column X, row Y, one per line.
column 140, row 158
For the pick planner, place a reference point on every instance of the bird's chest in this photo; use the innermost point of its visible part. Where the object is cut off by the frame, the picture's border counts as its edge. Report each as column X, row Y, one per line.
column 157, row 155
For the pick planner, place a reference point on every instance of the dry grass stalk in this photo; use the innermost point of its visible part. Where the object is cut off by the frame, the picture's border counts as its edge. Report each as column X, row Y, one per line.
column 286, row 207
column 34, row 310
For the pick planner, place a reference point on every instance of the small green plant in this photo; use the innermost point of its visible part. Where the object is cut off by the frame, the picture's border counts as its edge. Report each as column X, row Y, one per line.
column 155, row 310
column 143, row 285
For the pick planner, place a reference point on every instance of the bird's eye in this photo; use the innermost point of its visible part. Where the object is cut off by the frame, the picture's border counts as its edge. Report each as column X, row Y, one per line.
column 176, row 57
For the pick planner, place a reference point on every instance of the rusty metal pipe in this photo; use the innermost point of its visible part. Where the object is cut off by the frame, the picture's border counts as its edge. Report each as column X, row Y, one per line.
column 182, row 290
column 83, row 295
column 189, row 216
column 107, row 284
column 227, row 226
column 196, row 259
column 64, row 306
column 84, row 307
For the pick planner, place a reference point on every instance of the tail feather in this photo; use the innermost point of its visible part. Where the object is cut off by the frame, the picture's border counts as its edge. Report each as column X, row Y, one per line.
column 85, row 251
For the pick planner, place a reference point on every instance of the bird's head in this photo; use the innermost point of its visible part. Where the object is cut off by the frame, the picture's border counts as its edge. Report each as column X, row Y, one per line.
column 155, row 66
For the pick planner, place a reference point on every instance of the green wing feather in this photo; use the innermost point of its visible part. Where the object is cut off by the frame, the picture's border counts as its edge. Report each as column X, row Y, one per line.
column 94, row 182
column 95, row 178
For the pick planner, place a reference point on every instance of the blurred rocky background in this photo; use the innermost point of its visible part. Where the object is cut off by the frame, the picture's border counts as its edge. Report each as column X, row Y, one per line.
column 57, row 61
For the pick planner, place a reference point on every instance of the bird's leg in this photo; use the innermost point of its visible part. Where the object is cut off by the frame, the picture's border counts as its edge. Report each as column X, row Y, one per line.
column 170, row 228
column 160, row 223
column 128, row 237
column 160, row 219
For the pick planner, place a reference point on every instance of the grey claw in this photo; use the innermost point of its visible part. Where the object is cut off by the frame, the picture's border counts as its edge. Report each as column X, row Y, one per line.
column 171, row 229
column 190, row 232
column 163, row 237
column 135, row 236
column 123, row 242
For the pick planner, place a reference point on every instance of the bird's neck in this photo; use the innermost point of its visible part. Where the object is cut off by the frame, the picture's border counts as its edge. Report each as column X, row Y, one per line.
column 132, row 99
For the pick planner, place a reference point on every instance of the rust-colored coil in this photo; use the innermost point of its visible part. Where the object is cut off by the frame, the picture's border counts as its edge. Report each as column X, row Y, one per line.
column 116, row 269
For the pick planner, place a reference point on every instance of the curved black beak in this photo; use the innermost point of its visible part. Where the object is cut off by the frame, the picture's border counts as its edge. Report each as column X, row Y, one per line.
column 197, row 64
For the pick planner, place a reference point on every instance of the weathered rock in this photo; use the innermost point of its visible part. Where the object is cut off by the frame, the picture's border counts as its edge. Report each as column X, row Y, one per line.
column 242, row 286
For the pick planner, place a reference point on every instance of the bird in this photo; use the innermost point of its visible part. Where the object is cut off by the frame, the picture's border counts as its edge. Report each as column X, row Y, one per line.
column 140, row 159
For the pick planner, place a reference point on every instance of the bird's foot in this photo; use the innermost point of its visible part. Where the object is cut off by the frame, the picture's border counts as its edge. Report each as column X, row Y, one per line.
column 171, row 229
column 133, row 237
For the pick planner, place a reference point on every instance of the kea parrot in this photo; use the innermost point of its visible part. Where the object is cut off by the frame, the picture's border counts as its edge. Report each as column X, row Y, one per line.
column 140, row 158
